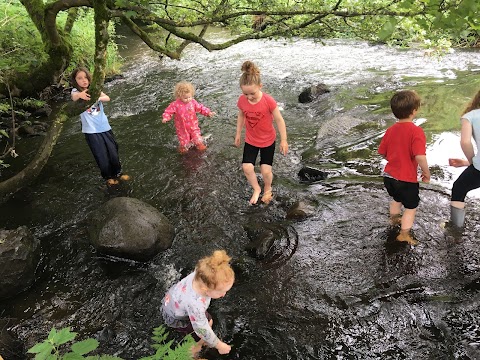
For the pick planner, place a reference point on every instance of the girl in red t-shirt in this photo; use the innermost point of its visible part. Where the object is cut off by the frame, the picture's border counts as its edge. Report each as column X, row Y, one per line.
column 256, row 113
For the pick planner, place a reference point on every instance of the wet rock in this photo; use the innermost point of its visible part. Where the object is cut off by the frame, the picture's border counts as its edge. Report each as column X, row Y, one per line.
column 11, row 348
column 19, row 258
column 309, row 174
column 261, row 244
column 129, row 228
column 300, row 210
column 313, row 92
column 26, row 130
column 114, row 77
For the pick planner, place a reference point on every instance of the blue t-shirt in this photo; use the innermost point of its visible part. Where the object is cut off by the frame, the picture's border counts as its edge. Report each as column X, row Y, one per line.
column 474, row 118
column 94, row 119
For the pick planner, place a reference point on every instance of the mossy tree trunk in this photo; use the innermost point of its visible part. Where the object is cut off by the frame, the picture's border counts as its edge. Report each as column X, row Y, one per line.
column 56, row 46
column 33, row 169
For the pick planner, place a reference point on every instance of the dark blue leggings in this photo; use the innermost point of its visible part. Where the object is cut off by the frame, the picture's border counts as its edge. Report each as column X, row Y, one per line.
column 468, row 180
column 105, row 151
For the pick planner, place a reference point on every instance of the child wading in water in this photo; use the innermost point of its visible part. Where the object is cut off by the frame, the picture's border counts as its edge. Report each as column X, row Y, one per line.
column 185, row 109
column 97, row 130
column 185, row 304
column 404, row 147
column 469, row 179
column 257, row 111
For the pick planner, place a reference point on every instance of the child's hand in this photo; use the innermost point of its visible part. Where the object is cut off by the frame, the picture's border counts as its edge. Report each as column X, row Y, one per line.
column 164, row 120
column 223, row 348
column 458, row 162
column 212, row 113
column 237, row 140
column 283, row 147
column 425, row 178
column 84, row 95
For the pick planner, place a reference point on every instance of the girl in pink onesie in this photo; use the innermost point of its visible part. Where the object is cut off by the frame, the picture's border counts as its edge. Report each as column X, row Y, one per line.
column 185, row 108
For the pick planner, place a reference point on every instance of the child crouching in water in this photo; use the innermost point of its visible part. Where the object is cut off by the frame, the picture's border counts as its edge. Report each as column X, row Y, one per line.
column 185, row 305
column 185, row 109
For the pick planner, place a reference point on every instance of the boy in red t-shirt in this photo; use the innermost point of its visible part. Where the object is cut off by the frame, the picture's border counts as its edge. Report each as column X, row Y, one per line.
column 404, row 147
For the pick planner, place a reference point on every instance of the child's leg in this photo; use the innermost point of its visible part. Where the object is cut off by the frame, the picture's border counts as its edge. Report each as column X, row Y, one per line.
column 408, row 218
column 196, row 137
column 112, row 148
column 266, row 161
column 395, row 212
column 250, row 153
column 267, row 176
column 249, row 171
column 183, row 137
column 100, row 153
column 468, row 180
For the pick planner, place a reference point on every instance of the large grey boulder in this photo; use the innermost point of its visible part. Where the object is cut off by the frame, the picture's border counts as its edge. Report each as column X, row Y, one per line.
column 20, row 255
column 127, row 227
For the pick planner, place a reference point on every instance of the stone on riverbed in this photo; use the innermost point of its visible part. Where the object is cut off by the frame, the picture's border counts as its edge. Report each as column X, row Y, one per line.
column 129, row 228
column 20, row 255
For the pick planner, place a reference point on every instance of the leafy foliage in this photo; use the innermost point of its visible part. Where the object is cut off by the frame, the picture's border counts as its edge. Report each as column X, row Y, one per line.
column 50, row 348
column 163, row 347
column 21, row 47
column 22, row 50
column 54, row 347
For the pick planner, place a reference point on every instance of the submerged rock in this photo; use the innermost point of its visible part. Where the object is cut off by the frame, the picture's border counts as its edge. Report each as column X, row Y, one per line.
column 312, row 92
column 261, row 244
column 127, row 227
column 300, row 210
column 309, row 174
column 19, row 258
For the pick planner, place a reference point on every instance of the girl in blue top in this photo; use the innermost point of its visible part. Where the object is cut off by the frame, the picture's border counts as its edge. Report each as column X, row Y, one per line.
column 97, row 130
column 469, row 179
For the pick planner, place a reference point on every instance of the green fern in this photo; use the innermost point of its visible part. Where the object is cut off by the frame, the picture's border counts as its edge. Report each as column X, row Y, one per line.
column 182, row 351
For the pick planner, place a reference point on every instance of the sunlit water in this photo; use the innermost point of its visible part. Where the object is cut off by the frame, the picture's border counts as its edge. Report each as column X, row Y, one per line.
column 336, row 286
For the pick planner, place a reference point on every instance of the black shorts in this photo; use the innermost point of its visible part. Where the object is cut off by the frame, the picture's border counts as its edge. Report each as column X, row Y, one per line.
column 403, row 192
column 250, row 153
column 188, row 330
column 468, row 180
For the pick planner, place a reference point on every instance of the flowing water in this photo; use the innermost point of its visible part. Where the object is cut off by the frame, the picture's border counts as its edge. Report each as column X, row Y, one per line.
column 334, row 285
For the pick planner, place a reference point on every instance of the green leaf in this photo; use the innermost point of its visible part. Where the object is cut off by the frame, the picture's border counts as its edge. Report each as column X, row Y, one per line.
column 44, row 355
column 388, row 29
column 63, row 336
column 40, row 347
column 3, row 133
column 72, row 356
column 85, row 346
column 52, row 334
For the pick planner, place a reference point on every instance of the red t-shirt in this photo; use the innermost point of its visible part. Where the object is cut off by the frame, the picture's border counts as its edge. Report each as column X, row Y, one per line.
column 400, row 144
column 258, row 120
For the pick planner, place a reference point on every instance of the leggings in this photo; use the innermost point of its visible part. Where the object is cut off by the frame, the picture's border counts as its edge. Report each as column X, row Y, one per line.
column 468, row 180
column 105, row 151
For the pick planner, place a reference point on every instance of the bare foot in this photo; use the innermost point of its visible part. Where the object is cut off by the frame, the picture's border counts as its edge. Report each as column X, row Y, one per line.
column 125, row 177
column 255, row 196
column 111, row 182
column 406, row 237
column 267, row 197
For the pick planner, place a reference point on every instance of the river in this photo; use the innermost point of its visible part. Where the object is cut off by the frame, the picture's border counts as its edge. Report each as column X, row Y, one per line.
column 337, row 286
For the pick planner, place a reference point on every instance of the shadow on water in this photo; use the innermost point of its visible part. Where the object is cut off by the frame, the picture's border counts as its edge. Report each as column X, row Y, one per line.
column 333, row 285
